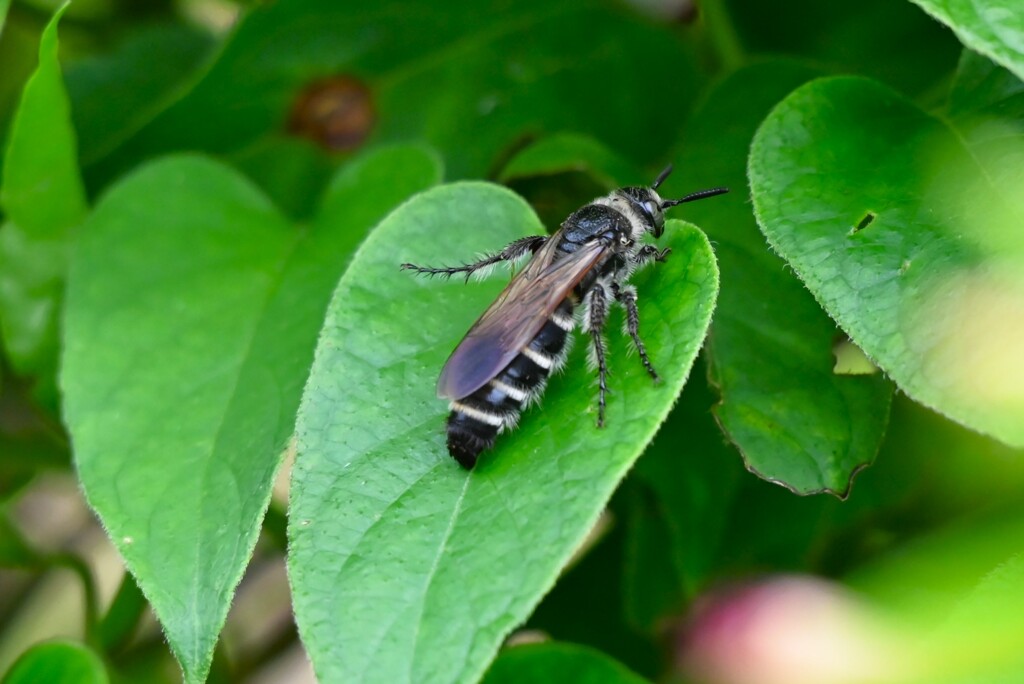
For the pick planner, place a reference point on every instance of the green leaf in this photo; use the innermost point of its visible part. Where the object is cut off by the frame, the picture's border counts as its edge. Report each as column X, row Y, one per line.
column 558, row 663
column 588, row 604
column 558, row 173
column 566, row 152
column 986, row 107
column 980, row 640
column 654, row 589
column 291, row 171
column 14, row 550
column 404, row 567
column 893, row 42
column 473, row 79
column 694, row 476
column 795, row 420
column 928, row 582
column 192, row 315
column 983, row 89
column 57, row 662
column 910, row 240
column 991, row 27
column 115, row 94
column 4, row 6
column 44, row 200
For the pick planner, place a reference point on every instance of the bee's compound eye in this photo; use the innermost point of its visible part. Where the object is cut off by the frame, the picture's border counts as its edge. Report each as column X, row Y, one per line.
column 649, row 208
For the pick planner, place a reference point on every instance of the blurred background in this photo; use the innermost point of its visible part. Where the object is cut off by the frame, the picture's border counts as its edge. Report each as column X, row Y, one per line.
column 700, row 570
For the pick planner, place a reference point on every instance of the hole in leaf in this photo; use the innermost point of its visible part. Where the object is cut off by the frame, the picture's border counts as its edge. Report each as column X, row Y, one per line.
column 864, row 222
column 337, row 113
column 851, row 359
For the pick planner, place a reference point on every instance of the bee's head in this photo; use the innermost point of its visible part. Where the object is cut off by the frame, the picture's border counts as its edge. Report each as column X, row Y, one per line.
column 650, row 207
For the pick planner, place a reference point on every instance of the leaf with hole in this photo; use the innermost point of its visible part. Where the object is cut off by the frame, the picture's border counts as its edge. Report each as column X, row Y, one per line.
column 931, row 289
column 192, row 314
column 405, row 567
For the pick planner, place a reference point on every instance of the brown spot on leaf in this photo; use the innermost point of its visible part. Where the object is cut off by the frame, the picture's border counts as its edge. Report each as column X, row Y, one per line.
column 336, row 113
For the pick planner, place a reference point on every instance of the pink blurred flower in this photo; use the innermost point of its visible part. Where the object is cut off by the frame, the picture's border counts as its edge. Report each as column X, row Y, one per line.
column 789, row 630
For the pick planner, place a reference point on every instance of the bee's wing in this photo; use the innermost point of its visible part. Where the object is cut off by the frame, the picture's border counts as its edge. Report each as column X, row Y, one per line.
column 515, row 317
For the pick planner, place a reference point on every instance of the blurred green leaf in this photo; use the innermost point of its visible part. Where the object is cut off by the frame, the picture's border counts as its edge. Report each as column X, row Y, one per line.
column 694, row 476
column 193, row 309
column 43, row 198
column 58, row 662
column 122, row 617
column 654, row 587
column 891, row 41
column 115, row 94
column 795, row 420
column 957, row 593
column 19, row 54
column 909, row 239
column 981, row 638
column 404, row 567
column 291, row 171
column 474, row 79
column 4, row 6
column 982, row 88
column 588, row 604
column 991, row 27
column 559, row 173
column 557, row 663
column 986, row 106
column 42, row 190
column 565, row 152
column 14, row 550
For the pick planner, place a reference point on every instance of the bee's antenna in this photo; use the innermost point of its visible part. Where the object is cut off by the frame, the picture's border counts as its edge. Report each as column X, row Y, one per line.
column 661, row 177
column 693, row 196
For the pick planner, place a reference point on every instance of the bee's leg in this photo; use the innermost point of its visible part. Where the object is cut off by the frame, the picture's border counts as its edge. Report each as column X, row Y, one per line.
column 512, row 252
column 649, row 254
column 596, row 304
column 626, row 295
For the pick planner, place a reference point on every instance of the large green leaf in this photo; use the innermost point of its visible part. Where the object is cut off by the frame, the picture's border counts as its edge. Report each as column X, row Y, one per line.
column 558, row 663
column 794, row 419
column 404, row 567
column 58, row 662
column 909, row 238
column 192, row 315
column 472, row 78
column 992, row 27
column 44, row 200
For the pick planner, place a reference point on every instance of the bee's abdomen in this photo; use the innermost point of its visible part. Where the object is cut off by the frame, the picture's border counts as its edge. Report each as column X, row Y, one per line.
column 476, row 419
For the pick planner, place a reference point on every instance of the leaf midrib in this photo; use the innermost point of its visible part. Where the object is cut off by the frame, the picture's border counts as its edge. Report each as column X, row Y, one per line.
column 276, row 282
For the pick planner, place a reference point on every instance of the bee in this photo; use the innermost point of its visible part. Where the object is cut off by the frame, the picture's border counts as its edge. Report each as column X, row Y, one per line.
column 504, row 361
